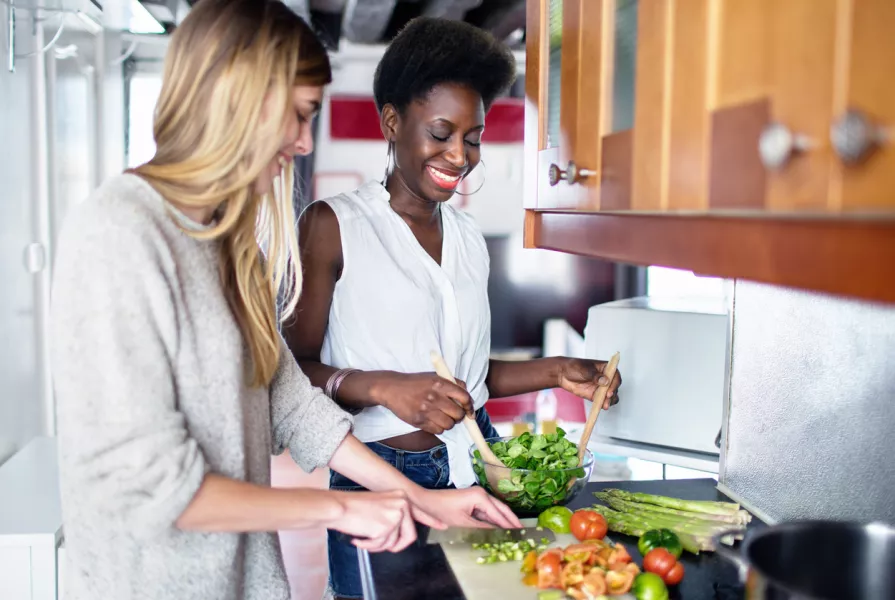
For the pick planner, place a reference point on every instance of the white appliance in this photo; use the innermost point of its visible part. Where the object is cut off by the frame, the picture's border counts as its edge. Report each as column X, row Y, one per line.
column 674, row 355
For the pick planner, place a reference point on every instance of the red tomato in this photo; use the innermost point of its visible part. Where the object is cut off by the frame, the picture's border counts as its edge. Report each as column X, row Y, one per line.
column 595, row 582
column 572, row 574
column 550, row 569
column 588, row 525
column 619, row 556
column 579, row 553
column 663, row 563
column 619, row 582
column 675, row 575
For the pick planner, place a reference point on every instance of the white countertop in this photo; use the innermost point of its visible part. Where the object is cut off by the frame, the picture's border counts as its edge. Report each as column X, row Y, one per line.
column 30, row 511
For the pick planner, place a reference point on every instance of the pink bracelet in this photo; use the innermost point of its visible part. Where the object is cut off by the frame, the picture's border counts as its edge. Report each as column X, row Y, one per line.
column 335, row 381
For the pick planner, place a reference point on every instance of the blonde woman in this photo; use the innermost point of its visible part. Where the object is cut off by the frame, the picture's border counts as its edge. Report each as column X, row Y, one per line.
column 173, row 383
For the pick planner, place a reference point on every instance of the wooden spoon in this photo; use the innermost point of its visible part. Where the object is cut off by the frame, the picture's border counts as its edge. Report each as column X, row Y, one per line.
column 488, row 456
column 597, row 406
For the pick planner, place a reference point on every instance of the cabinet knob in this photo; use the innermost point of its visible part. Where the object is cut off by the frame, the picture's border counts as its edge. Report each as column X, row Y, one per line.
column 777, row 144
column 854, row 136
column 572, row 174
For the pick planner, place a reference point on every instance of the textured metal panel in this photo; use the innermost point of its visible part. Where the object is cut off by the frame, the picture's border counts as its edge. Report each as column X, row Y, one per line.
column 812, row 408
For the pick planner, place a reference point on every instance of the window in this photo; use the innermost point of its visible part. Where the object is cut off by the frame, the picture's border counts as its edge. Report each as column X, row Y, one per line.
column 143, row 93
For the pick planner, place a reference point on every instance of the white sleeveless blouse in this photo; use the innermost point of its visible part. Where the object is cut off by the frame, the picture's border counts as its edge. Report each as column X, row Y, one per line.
column 394, row 304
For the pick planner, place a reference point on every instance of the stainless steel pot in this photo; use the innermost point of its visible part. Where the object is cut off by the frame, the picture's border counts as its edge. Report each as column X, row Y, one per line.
column 816, row 560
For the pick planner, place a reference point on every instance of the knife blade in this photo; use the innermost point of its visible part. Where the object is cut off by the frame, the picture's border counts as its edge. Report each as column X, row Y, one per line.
column 473, row 535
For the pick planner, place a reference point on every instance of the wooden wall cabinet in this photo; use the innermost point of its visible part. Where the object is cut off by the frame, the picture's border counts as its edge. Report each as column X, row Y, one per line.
column 735, row 138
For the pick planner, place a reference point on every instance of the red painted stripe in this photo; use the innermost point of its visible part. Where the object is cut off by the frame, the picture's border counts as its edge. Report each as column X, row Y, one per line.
column 568, row 407
column 356, row 118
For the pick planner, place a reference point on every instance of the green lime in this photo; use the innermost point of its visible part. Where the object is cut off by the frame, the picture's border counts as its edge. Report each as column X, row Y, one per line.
column 556, row 519
column 649, row 586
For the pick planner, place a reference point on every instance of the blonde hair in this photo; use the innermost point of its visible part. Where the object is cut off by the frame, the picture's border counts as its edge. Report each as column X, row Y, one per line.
column 226, row 89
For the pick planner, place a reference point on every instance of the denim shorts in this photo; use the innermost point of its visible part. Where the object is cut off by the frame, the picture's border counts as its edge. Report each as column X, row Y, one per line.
column 428, row 468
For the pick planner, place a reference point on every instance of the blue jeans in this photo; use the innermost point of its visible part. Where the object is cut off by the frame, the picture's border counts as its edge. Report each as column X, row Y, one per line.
column 428, row 468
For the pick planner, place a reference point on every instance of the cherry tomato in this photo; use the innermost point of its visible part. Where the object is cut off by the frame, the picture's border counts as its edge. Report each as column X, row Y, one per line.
column 675, row 575
column 588, row 525
column 663, row 563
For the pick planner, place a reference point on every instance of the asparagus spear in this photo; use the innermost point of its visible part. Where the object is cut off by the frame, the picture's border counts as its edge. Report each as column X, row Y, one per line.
column 699, row 506
column 741, row 517
column 695, row 535
column 636, row 526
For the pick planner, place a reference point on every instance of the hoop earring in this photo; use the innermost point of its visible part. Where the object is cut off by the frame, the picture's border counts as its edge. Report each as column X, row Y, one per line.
column 478, row 189
column 389, row 161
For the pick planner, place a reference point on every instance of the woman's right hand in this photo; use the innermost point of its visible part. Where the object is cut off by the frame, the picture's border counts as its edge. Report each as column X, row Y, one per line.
column 380, row 521
column 423, row 400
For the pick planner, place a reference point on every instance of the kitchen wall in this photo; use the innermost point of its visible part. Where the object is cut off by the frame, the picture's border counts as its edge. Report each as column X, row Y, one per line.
column 810, row 422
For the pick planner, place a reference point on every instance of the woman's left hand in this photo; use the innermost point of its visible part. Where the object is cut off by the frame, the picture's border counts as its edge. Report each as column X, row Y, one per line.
column 582, row 377
column 470, row 507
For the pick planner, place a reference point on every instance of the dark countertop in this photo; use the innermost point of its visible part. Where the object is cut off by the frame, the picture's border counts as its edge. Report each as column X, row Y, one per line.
column 421, row 572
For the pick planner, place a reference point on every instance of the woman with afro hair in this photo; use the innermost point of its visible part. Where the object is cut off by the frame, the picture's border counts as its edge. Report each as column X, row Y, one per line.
column 392, row 272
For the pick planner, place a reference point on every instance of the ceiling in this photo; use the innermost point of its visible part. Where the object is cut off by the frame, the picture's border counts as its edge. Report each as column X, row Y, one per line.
column 377, row 21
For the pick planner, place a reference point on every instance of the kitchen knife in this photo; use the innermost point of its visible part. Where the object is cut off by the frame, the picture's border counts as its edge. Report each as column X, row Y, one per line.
column 473, row 535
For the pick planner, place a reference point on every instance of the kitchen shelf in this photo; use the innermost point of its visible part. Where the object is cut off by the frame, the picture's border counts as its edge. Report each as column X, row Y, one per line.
column 838, row 254
column 698, row 461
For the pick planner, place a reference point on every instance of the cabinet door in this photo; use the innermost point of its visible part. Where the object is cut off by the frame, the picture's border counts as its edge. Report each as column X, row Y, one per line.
column 620, row 102
column 771, row 82
column 864, row 109
column 787, row 76
column 564, row 75
column 803, row 105
column 15, row 572
column 671, row 116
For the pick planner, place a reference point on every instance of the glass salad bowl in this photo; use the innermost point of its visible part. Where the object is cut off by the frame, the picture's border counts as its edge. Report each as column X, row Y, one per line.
column 540, row 472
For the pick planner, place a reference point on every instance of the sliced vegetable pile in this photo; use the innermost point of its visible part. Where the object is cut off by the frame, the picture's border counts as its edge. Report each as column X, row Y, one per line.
column 694, row 522
column 590, row 569
column 507, row 551
column 542, row 467
column 583, row 571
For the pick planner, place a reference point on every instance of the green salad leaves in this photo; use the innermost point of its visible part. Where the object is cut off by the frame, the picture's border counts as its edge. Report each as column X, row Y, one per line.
column 541, row 467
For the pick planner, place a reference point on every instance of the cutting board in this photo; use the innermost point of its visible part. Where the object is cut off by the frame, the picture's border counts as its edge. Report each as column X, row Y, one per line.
column 500, row 580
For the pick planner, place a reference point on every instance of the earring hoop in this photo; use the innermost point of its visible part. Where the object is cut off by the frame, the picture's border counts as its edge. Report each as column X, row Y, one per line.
column 389, row 161
column 478, row 189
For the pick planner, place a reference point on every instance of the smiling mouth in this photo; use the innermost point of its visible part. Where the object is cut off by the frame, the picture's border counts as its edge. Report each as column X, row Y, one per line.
column 442, row 179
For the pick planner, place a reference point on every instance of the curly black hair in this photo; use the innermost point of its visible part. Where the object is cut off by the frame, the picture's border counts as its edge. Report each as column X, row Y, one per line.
column 431, row 51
